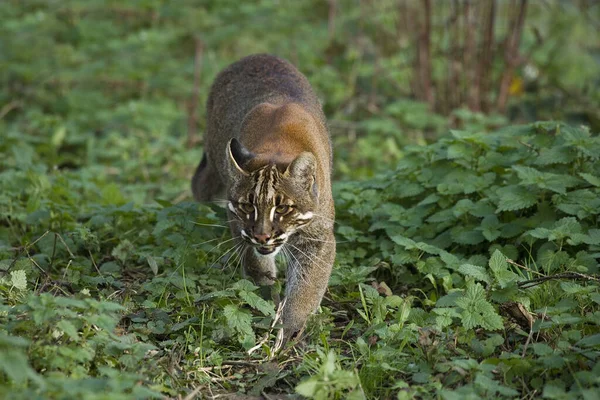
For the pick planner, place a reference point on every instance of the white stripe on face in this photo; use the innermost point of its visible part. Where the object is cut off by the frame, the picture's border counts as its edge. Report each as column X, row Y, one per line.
column 271, row 185
column 259, row 182
column 306, row 216
column 231, row 207
column 264, row 189
column 272, row 214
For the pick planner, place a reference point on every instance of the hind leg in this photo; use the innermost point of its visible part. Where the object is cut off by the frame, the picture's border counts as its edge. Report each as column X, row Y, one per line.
column 206, row 184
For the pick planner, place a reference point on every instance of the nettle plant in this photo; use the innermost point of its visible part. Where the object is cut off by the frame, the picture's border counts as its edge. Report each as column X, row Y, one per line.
column 488, row 232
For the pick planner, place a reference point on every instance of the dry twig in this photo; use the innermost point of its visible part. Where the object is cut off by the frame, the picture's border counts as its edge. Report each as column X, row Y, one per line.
column 565, row 275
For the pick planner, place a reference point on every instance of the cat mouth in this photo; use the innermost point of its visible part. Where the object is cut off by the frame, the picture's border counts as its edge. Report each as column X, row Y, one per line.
column 265, row 250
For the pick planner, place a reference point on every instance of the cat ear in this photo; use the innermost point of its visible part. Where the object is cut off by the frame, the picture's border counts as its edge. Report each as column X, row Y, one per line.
column 237, row 156
column 304, row 168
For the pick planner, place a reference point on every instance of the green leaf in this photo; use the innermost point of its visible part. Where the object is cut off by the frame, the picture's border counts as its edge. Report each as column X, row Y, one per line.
column 542, row 349
column 466, row 234
column 476, row 310
column 257, row 302
column 58, row 137
column 590, row 341
column 591, row 179
column 67, row 327
column 499, row 268
column 512, row 197
column 462, row 207
column 482, row 209
column 562, row 229
column 153, row 264
column 238, row 319
column 410, row 244
column 582, row 140
column 491, row 227
column 15, row 365
column 409, row 189
column 307, row 388
column 555, row 155
column 244, row 285
column 445, row 316
column 449, row 300
column 123, row 250
column 545, row 180
column 592, row 238
column 581, row 203
column 491, row 386
column 475, row 271
column 18, row 279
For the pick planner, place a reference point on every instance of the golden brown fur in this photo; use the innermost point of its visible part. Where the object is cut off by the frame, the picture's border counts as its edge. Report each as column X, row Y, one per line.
column 267, row 150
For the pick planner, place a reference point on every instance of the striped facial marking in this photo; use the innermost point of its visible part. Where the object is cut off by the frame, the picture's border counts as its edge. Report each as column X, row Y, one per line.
column 268, row 216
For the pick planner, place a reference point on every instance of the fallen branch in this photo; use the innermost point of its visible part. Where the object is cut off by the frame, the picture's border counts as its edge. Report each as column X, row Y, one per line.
column 565, row 275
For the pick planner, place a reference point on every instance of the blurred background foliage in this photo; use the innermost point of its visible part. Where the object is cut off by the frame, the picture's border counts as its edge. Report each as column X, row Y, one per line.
column 389, row 72
column 101, row 121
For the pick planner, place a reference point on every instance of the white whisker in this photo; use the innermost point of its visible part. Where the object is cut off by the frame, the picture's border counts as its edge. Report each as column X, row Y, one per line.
column 210, row 225
column 296, row 267
column 224, row 254
column 220, row 244
column 324, row 217
column 208, row 241
column 314, row 239
column 319, row 265
column 236, row 256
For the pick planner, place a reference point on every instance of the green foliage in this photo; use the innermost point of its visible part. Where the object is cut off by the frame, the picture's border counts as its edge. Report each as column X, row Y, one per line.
column 472, row 201
column 113, row 286
column 330, row 382
column 121, row 70
column 417, row 300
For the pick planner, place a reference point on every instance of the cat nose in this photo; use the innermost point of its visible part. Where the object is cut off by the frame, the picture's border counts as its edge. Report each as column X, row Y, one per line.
column 262, row 237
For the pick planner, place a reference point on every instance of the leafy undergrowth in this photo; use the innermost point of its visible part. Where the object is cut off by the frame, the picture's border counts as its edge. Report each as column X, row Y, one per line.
column 471, row 271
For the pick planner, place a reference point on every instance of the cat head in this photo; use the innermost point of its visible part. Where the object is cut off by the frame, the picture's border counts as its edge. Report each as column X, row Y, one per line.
column 270, row 202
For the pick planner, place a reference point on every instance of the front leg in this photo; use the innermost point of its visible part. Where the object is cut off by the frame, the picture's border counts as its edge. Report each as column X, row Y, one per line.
column 261, row 269
column 308, row 271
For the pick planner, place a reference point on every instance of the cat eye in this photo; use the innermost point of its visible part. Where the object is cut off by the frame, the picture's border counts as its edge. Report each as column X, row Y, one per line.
column 282, row 209
column 246, row 208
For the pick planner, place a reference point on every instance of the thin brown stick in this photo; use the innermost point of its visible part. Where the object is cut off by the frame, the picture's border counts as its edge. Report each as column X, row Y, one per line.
column 19, row 250
column 9, row 107
column 66, row 246
column 331, row 19
column 192, row 395
column 453, row 93
column 192, row 117
column 424, row 55
column 279, row 341
column 94, row 263
column 408, row 32
column 469, row 57
column 511, row 56
column 34, row 262
column 526, row 345
column 565, row 275
column 487, row 54
column 53, row 251
column 508, row 260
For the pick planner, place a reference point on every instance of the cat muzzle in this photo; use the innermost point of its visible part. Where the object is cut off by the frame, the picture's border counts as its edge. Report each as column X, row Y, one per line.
column 265, row 250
